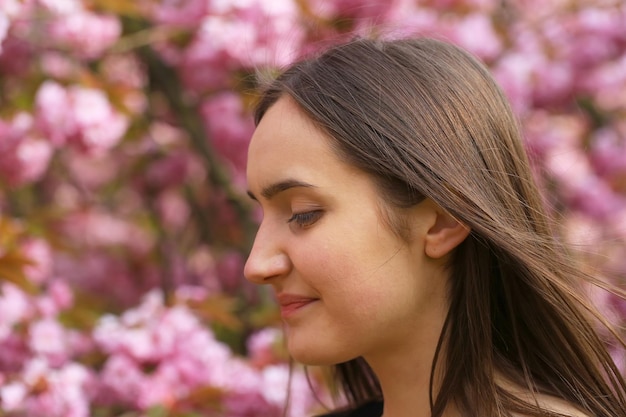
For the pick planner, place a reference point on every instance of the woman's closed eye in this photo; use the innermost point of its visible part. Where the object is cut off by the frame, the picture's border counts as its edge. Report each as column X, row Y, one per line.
column 305, row 219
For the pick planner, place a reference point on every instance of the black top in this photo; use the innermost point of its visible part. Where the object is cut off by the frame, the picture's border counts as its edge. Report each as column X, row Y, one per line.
column 373, row 409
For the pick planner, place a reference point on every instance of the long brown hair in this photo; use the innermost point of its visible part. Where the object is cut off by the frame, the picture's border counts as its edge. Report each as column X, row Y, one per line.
column 426, row 119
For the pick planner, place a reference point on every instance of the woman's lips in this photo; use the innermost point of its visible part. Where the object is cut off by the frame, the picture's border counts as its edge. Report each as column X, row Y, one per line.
column 291, row 303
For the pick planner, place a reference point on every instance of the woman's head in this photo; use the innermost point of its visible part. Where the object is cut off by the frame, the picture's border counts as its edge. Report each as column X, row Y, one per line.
column 347, row 283
column 422, row 117
column 424, row 121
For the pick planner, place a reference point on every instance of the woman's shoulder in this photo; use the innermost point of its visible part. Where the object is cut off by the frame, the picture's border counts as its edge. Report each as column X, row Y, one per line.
column 370, row 409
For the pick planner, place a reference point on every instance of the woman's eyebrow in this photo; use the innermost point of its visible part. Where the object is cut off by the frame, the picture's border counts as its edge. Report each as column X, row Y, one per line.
column 280, row 186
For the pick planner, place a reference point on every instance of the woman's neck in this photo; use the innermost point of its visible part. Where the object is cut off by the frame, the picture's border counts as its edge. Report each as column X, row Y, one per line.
column 404, row 373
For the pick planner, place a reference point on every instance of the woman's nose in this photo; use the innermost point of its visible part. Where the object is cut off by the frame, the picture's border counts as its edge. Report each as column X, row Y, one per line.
column 267, row 259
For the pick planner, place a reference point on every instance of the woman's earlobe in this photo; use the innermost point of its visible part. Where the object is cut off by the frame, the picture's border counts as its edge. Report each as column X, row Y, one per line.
column 445, row 235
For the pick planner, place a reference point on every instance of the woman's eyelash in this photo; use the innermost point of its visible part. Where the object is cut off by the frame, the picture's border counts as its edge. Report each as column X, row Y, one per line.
column 305, row 219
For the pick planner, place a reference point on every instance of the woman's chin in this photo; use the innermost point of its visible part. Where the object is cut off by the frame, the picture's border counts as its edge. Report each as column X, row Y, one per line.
column 318, row 356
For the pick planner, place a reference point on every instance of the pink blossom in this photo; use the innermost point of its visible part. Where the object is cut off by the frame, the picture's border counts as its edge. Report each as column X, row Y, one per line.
column 546, row 133
column 101, row 228
column 170, row 171
column 608, row 152
column 183, row 13
column 65, row 393
column 14, row 352
column 277, row 382
column 39, row 252
column 15, row 307
column 58, row 65
column 262, row 346
column 106, row 274
column 230, row 271
column 121, row 380
column 53, row 113
column 124, row 69
column 372, row 11
column 201, row 265
column 58, row 297
column 229, row 128
column 23, row 158
column 15, row 54
column 100, row 126
column 553, row 83
column 92, row 170
column 48, row 338
column 11, row 8
column 173, row 210
column 4, row 27
column 477, row 34
column 182, row 354
column 28, row 162
column 606, row 84
column 13, row 395
column 238, row 36
column 485, row 6
column 514, row 73
column 62, row 7
column 86, row 34
column 81, row 116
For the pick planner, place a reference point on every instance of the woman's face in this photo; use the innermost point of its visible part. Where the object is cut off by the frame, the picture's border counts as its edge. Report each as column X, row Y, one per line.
column 346, row 284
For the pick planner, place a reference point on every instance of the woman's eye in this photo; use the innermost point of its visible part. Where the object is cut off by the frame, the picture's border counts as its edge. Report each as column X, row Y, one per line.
column 305, row 219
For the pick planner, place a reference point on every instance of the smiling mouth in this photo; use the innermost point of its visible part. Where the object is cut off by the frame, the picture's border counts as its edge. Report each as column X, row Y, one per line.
column 291, row 304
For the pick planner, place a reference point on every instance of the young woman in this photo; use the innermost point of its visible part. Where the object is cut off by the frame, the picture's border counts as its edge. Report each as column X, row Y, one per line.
column 407, row 245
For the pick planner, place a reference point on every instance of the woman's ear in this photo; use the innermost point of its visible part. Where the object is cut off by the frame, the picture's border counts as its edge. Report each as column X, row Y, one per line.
column 444, row 235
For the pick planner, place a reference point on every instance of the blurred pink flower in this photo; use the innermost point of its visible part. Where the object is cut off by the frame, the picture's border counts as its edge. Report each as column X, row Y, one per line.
column 62, row 7
column 57, row 297
column 65, row 390
column 476, row 33
column 183, row 13
column 173, row 210
column 4, row 27
column 262, row 346
column 57, row 65
column 124, row 69
column 47, row 338
column 100, row 126
column 169, row 171
column 81, row 116
column 605, row 83
column 99, row 228
column 106, row 274
column 39, row 252
column 608, row 153
column 553, row 83
column 229, row 128
column 120, row 381
column 15, row 307
column 85, row 34
column 229, row 271
column 514, row 74
column 277, row 383
column 53, row 113
column 374, row 12
column 236, row 35
column 23, row 158
column 15, row 56
column 92, row 170
column 179, row 353
column 549, row 135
